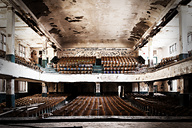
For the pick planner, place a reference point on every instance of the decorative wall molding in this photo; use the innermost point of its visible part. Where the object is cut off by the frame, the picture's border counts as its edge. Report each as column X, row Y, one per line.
column 98, row 52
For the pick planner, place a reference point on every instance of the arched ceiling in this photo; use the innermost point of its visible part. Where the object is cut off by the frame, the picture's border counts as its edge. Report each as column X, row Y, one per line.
column 97, row 23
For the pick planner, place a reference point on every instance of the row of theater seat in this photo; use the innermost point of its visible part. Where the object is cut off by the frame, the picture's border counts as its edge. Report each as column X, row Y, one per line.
column 158, row 105
column 47, row 105
column 23, row 61
column 118, row 72
column 60, row 68
column 76, row 72
column 118, row 61
column 98, row 106
column 52, row 95
column 119, row 65
column 75, row 65
column 77, row 60
column 168, row 60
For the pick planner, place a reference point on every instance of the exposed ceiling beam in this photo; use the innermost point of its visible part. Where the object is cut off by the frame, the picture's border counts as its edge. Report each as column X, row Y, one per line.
column 169, row 13
column 29, row 18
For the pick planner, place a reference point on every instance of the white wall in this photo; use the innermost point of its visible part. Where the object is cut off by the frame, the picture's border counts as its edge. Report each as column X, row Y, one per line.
column 189, row 24
column 134, row 87
column 174, row 86
column 50, row 53
column 144, row 53
column 2, row 31
column 27, row 48
column 143, row 87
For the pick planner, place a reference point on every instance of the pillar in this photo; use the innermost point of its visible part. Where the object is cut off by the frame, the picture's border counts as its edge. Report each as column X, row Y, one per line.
column 60, row 88
column 138, row 88
column 10, row 93
column 44, row 90
column 150, row 53
column 55, row 52
column 183, row 30
column 44, row 54
column 184, row 91
column 150, row 86
column 10, row 35
column 56, row 88
column 123, row 91
column 50, row 54
column 119, row 91
column 98, row 88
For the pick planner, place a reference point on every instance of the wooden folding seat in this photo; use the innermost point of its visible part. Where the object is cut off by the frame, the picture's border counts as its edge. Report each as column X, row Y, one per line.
column 107, row 109
column 101, row 111
column 113, row 107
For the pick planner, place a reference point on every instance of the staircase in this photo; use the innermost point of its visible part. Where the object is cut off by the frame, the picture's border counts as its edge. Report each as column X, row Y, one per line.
column 49, row 69
column 97, row 69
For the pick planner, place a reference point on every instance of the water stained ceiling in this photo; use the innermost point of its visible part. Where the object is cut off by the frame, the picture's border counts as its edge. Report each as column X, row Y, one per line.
column 97, row 23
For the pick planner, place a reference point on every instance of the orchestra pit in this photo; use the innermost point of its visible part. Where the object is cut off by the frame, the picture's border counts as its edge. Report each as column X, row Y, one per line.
column 95, row 63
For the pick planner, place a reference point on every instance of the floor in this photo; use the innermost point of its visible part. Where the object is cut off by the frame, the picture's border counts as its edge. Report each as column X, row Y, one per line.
column 101, row 125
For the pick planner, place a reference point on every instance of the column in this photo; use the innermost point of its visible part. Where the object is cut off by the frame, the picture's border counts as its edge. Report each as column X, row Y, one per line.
column 119, row 91
column 44, row 54
column 44, row 90
column 10, row 34
column 123, row 91
column 138, row 88
column 10, row 93
column 60, row 88
column 98, row 88
column 56, row 87
column 184, row 91
column 183, row 30
column 150, row 53
column 150, row 86
column 55, row 52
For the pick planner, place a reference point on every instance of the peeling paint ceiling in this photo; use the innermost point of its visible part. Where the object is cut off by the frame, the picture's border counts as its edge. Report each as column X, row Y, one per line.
column 97, row 23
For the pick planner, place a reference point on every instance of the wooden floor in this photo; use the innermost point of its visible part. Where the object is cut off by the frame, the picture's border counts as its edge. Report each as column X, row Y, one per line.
column 102, row 124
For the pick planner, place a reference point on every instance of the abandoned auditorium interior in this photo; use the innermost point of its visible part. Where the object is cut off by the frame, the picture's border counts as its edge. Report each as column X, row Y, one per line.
column 95, row 63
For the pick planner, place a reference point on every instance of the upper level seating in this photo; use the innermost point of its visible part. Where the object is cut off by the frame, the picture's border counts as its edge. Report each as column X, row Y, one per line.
column 23, row 61
column 75, row 65
column 168, row 60
column 117, row 65
column 98, row 106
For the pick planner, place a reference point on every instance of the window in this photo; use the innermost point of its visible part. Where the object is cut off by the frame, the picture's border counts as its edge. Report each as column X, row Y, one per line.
column 3, row 42
column 189, row 37
column 154, row 60
column 22, row 51
column 2, row 85
column 22, row 86
column 172, row 48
